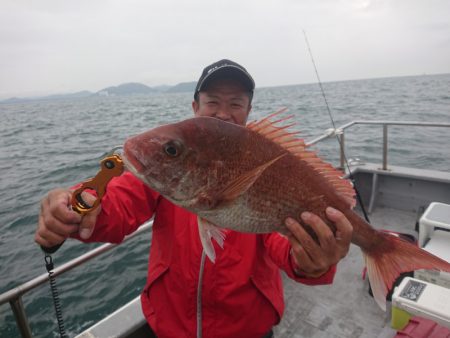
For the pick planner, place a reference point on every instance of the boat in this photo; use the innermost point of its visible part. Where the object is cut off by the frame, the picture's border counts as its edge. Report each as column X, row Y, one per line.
column 396, row 198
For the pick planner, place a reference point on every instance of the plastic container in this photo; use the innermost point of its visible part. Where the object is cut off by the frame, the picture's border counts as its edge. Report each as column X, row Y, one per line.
column 414, row 297
column 419, row 327
column 437, row 215
column 434, row 237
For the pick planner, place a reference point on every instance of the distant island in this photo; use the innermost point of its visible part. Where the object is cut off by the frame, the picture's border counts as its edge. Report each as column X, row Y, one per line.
column 124, row 89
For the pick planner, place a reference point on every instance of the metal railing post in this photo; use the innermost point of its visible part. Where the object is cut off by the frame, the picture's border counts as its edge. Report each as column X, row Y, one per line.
column 385, row 149
column 21, row 317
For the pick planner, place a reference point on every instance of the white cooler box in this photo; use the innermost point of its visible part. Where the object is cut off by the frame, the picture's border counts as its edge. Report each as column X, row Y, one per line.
column 434, row 237
column 437, row 215
column 415, row 297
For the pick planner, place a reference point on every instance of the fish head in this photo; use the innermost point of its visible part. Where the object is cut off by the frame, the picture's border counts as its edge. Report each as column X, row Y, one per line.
column 178, row 160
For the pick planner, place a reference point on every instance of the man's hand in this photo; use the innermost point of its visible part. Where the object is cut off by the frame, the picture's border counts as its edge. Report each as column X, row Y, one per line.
column 315, row 259
column 57, row 221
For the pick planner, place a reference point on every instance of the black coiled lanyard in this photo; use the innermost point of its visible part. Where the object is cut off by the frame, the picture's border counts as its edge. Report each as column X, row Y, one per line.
column 56, row 302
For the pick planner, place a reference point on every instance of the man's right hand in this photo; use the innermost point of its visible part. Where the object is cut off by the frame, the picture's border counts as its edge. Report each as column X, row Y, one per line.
column 57, row 221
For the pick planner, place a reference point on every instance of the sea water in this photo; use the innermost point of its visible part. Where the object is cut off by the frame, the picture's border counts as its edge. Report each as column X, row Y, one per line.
column 49, row 144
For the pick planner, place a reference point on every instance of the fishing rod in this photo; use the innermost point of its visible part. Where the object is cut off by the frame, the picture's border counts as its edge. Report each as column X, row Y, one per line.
column 358, row 195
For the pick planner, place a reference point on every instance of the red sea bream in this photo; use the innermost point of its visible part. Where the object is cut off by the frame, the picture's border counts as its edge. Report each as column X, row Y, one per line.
column 250, row 179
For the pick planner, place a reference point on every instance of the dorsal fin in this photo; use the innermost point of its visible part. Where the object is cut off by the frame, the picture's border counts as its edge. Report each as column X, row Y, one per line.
column 269, row 127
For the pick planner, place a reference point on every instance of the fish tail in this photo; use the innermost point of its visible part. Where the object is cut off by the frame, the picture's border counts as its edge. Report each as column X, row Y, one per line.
column 393, row 256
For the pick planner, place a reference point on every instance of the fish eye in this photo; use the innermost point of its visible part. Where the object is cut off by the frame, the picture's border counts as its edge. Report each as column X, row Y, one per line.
column 171, row 149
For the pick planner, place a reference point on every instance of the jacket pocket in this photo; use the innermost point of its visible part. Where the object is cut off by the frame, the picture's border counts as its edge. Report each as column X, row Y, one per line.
column 271, row 292
column 155, row 275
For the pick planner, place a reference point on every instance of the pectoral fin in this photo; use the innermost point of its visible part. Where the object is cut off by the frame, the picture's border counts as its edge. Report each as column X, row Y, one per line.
column 207, row 230
column 242, row 183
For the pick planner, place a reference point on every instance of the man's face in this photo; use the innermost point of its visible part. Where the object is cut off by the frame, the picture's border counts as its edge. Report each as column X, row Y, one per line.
column 226, row 100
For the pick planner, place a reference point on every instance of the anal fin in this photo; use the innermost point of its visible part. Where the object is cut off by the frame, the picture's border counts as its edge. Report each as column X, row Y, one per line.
column 208, row 230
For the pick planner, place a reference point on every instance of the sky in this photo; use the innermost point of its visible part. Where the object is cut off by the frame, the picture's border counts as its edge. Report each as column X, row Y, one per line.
column 56, row 46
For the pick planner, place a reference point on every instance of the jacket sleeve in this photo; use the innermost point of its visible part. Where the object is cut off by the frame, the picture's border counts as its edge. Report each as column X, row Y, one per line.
column 126, row 205
column 278, row 248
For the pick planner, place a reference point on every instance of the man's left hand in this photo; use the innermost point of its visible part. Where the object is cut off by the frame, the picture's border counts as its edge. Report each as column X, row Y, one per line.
column 314, row 259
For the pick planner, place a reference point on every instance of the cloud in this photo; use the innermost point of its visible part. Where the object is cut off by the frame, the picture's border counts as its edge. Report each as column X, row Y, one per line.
column 58, row 46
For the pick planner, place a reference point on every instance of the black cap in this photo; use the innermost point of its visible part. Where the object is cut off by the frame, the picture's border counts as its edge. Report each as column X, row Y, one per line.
column 225, row 68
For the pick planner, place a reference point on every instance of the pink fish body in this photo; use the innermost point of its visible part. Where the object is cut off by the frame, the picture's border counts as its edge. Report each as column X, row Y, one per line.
column 250, row 179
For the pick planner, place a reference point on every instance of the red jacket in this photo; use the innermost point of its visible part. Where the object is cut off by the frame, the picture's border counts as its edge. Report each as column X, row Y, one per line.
column 242, row 293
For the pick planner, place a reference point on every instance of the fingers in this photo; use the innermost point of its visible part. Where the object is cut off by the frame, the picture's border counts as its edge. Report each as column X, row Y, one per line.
column 57, row 204
column 46, row 238
column 303, row 239
column 344, row 229
column 56, row 221
column 306, row 252
column 322, row 230
column 87, row 224
column 302, row 259
column 316, row 258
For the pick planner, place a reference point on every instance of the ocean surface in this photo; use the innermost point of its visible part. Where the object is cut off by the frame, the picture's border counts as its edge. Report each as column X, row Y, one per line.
column 44, row 145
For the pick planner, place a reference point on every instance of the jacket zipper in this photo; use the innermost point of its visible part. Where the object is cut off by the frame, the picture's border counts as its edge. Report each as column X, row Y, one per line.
column 199, row 295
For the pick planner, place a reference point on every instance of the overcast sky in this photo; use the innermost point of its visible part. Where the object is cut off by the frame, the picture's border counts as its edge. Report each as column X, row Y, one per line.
column 65, row 46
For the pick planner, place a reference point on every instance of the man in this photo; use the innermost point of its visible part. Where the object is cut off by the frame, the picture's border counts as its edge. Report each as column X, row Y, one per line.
column 186, row 295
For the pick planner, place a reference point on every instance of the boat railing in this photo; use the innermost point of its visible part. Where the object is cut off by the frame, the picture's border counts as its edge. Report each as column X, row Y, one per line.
column 14, row 296
column 340, row 133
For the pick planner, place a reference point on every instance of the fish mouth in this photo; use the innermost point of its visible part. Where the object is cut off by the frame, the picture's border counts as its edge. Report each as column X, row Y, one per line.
column 135, row 167
column 131, row 162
